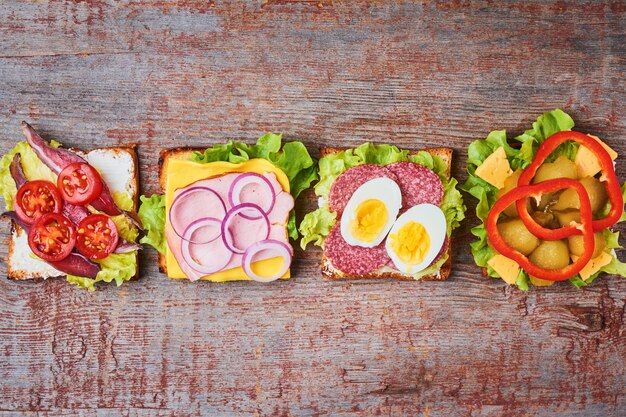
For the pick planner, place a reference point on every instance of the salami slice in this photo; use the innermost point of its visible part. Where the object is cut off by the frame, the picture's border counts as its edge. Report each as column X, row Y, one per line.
column 419, row 185
column 353, row 260
column 352, row 178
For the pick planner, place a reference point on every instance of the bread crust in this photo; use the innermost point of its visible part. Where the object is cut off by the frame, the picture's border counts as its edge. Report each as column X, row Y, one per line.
column 16, row 230
column 330, row 272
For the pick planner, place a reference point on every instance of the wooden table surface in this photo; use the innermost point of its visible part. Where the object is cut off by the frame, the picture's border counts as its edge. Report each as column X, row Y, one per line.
column 169, row 73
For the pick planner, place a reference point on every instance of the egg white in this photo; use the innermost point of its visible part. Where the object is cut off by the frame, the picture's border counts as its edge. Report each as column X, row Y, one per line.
column 434, row 221
column 383, row 189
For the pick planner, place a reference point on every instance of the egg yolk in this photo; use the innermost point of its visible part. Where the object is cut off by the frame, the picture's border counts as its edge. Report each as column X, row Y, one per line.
column 369, row 220
column 410, row 243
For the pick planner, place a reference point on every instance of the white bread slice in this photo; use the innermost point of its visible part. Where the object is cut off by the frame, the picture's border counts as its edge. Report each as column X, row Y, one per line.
column 330, row 272
column 118, row 168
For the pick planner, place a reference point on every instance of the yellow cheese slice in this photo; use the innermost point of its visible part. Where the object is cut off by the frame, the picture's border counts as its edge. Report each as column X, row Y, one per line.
column 507, row 268
column 593, row 265
column 495, row 169
column 587, row 163
column 181, row 173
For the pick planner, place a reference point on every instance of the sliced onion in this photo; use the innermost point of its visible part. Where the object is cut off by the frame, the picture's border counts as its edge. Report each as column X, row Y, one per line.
column 187, row 194
column 234, row 194
column 186, row 248
column 281, row 248
column 227, row 235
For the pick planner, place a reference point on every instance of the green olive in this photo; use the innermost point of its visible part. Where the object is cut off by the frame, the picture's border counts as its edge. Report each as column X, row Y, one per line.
column 575, row 244
column 566, row 217
column 561, row 168
column 545, row 219
column 597, row 192
column 595, row 189
column 551, row 254
column 517, row 236
column 509, row 184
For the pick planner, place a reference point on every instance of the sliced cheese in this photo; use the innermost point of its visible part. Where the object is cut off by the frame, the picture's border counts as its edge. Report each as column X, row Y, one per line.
column 507, row 268
column 495, row 169
column 593, row 265
column 181, row 173
column 587, row 163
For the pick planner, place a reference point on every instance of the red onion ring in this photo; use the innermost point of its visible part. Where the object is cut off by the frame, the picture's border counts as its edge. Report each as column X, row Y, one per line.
column 186, row 252
column 282, row 248
column 186, row 193
column 234, row 194
column 227, row 236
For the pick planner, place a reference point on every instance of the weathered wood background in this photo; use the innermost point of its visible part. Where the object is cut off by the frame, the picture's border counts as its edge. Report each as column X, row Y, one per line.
column 168, row 73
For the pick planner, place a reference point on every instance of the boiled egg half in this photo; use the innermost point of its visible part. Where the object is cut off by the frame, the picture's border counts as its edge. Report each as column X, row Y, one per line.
column 370, row 212
column 416, row 238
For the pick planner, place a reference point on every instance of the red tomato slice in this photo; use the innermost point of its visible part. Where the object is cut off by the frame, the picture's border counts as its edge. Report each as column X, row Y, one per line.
column 52, row 237
column 97, row 236
column 79, row 183
column 36, row 198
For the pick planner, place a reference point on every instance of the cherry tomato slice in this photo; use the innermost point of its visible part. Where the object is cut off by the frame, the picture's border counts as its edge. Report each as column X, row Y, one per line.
column 97, row 236
column 52, row 237
column 79, row 183
column 36, row 198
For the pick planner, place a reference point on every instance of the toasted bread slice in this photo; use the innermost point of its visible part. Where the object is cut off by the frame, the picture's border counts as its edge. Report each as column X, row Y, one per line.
column 330, row 272
column 118, row 167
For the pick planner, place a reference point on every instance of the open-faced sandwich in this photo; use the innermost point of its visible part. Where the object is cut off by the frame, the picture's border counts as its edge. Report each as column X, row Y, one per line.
column 227, row 212
column 547, row 204
column 72, row 212
column 384, row 213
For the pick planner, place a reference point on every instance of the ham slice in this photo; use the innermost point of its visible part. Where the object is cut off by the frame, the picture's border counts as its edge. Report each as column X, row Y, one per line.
column 245, row 231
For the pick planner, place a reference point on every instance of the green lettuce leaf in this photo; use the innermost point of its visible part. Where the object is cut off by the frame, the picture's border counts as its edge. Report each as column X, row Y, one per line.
column 331, row 166
column 152, row 215
column 452, row 205
column 384, row 154
column 546, row 125
column 123, row 200
column 316, row 226
column 293, row 159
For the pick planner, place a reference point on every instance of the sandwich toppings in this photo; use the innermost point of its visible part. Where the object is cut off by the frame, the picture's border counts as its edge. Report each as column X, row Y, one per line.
column 370, row 214
column 547, row 207
column 362, row 192
column 70, row 217
column 227, row 212
column 229, row 221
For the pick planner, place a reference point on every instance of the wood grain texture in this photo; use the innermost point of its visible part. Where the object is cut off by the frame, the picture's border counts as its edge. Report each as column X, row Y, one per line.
column 173, row 73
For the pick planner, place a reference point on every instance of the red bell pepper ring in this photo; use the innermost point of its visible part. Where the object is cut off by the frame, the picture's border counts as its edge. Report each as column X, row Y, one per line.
column 608, row 176
column 522, row 192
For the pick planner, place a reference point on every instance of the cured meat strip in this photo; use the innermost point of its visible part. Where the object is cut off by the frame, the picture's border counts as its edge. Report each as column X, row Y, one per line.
column 353, row 260
column 419, row 185
column 352, row 178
